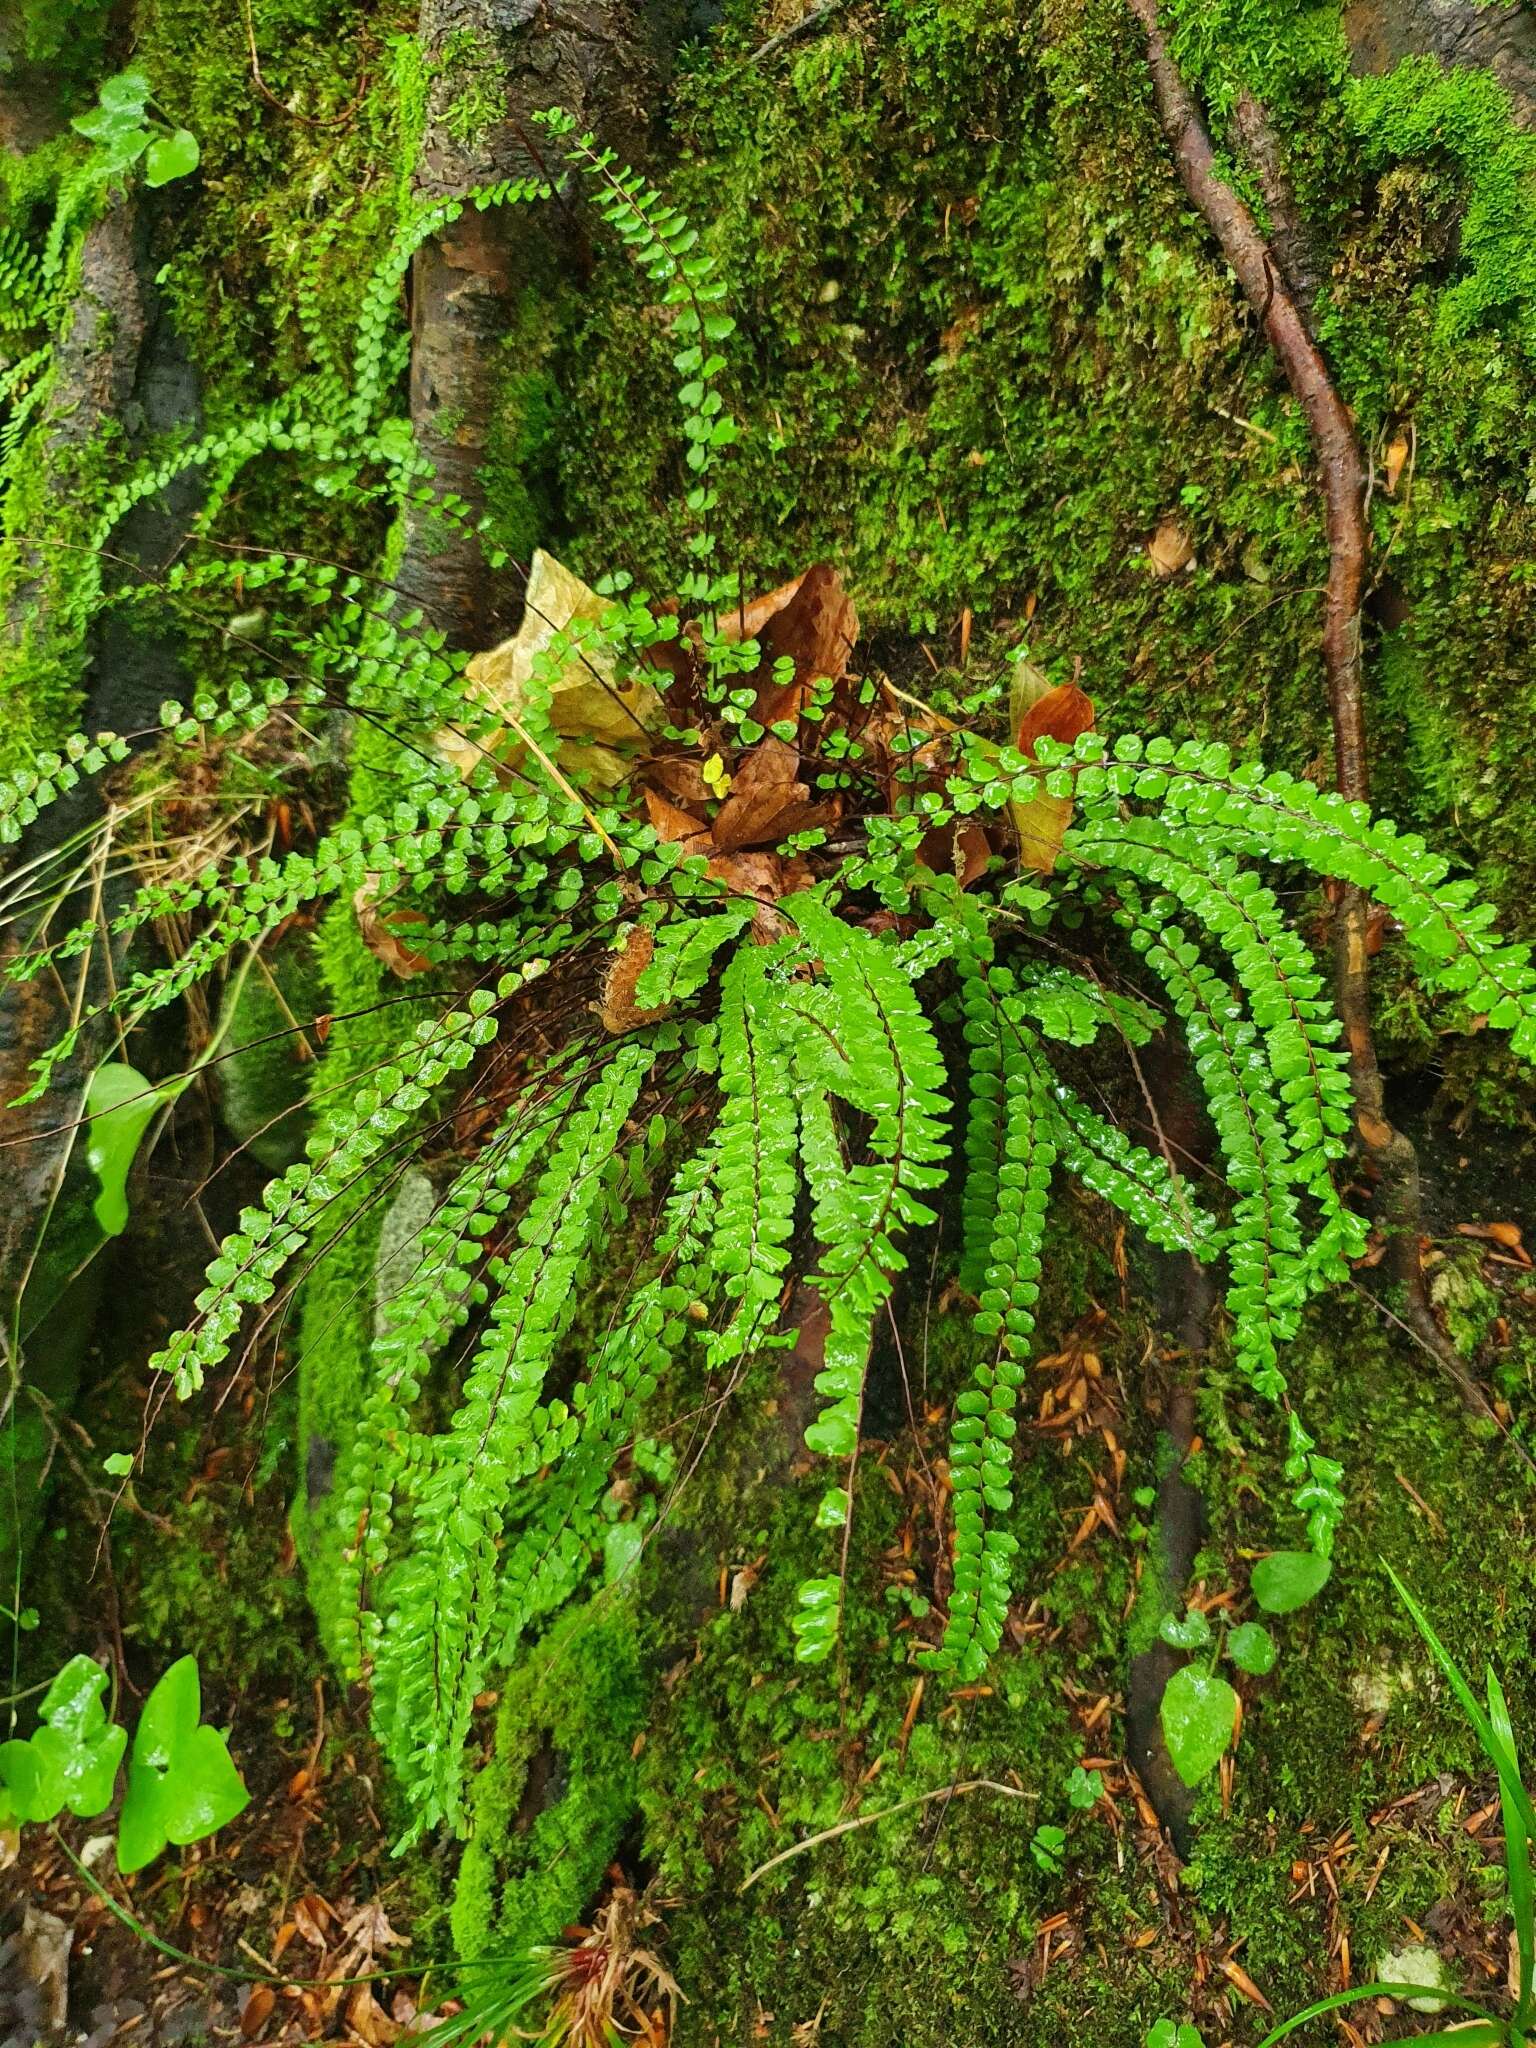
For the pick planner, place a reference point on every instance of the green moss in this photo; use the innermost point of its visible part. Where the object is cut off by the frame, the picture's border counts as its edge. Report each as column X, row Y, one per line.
column 263, row 1079
column 549, row 1808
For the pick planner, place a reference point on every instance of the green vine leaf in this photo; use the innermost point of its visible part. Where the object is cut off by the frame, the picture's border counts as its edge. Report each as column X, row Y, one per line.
column 1199, row 1713
column 182, row 1783
column 1252, row 1648
column 1192, row 1633
column 78, row 1750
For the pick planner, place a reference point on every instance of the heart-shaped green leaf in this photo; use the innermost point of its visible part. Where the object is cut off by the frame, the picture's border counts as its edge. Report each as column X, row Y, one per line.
column 1288, row 1579
column 126, row 91
column 21, row 1790
column 1252, row 1648
column 77, row 1749
column 1192, row 1633
column 171, row 156
column 1199, row 1713
column 182, row 1784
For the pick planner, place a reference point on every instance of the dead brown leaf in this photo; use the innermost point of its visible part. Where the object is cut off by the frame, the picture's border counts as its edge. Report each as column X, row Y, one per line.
column 1396, row 459
column 680, row 777
column 674, row 825
column 1170, row 550
column 817, row 629
column 1040, row 712
column 1505, row 1235
column 617, row 1007
column 383, row 931
column 768, row 801
column 369, row 2021
column 256, row 2006
column 310, row 1916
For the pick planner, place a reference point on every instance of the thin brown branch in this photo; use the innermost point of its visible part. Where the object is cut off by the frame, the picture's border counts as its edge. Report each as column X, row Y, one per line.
column 1342, row 474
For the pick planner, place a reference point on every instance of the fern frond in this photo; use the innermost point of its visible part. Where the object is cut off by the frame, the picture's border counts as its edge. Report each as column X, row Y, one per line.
column 462, row 1512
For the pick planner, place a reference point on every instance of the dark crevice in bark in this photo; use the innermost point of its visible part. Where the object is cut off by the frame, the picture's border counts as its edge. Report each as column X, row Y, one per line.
column 1187, row 1304
column 1342, row 476
column 118, row 360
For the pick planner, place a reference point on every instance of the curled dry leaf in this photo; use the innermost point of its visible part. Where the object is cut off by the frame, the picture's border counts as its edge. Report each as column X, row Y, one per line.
column 1396, row 459
column 384, row 931
column 1170, row 550
column 816, row 629
column 675, row 825
column 369, row 2021
column 598, row 719
column 256, row 2003
column 617, row 1007
column 1041, row 712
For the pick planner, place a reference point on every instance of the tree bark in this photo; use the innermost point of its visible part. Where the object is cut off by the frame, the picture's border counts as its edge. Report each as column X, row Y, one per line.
column 593, row 58
column 1500, row 38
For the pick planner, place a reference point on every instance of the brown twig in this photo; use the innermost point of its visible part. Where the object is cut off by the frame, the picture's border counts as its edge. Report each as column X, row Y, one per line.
column 1342, row 476
column 806, row 25
column 308, row 120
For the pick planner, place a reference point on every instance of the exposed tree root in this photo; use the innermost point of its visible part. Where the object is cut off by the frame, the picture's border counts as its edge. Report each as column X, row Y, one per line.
column 1342, row 475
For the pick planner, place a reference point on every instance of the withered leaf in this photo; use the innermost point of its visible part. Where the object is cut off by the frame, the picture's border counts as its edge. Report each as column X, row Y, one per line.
column 745, row 621
column 767, row 800
column 617, row 1007
column 962, row 850
column 383, row 931
column 593, row 712
column 675, row 826
column 817, row 629
column 1170, row 550
column 680, row 777
column 1041, row 712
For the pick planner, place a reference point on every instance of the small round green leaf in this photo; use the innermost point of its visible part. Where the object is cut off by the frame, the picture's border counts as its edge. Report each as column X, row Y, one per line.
column 1252, row 1648
column 1288, row 1579
column 1199, row 1713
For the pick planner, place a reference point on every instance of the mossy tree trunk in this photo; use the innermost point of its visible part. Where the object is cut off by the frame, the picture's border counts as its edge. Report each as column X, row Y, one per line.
column 477, row 288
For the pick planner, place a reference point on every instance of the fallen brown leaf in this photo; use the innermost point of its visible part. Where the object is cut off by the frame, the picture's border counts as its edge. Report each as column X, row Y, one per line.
column 382, row 931
column 617, row 1007
column 1041, row 712
column 1170, row 550
column 256, row 2006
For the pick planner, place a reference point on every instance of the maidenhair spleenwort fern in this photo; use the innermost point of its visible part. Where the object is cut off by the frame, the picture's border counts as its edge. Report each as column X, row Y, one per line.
column 831, row 1039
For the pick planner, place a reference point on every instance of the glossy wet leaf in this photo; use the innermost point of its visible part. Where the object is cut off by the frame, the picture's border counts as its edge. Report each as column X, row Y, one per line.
column 77, row 1749
column 1288, row 1579
column 1252, row 1648
column 1169, row 2034
column 119, row 1103
column 1192, row 1633
column 1199, row 1712
column 182, row 1783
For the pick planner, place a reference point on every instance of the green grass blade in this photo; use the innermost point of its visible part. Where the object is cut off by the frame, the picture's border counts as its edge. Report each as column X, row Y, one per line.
column 1341, row 1998
column 1509, row 1776
column 1517, row 1848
